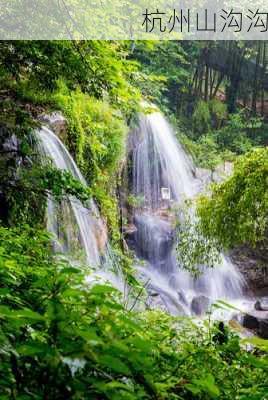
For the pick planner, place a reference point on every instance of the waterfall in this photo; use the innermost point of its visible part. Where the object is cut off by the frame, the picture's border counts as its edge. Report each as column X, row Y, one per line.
column 159, row 161
column 73, row 222
column 162, row 179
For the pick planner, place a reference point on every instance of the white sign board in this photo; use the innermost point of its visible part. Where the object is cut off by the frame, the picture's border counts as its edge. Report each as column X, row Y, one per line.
column 165, row 193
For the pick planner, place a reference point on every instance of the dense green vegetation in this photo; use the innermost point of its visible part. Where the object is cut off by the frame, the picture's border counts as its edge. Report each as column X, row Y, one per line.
column 236, row 212
column 91, row 82
column 96, row 133
column 61, row 338
column 218, row 106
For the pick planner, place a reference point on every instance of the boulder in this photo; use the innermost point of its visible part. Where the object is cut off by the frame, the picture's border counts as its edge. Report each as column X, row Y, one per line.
column 129, row 230
column 155, row 302
column 263, row 328
column 56, row 121
column 253, row 265
column 162, row 299
column 257, row 321
column 200, row 305
column 261, row 305
column 11, row 144
column 250, row 322
column 203, row 175
column 101, row 235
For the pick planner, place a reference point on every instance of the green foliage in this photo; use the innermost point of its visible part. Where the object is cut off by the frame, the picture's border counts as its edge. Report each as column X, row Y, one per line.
column 194, row 249
column 97, row 67
column 207, row 154
column 50, row 180
column 233, row 136
column 27, row 196
column 14, row 119
column 220, row 136
column 163, row 72
column 238, row 133
column 96, row 135
column 25, row 179
column 135, row 201
column 96, row 131
column 204, row 151
column 236, row 211
column 201, row 117
column 42, row 61
column 59, row 74
column 29, row 92
column 61, row 339
column 218, row 111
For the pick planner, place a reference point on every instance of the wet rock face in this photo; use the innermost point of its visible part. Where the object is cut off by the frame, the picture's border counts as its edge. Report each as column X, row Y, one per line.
column 221, row 172
column 153, row 238
column 261, row 305
column 200, row 305
column 11, row 144
column 263, row 329
column 258, row 322
column 56, row 122
column 160, row 300
column 250, row 322
column 129, row 232
column 253, row 264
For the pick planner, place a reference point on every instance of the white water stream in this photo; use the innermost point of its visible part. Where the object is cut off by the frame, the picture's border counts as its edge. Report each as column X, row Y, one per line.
column 78, row 229
column 160, row 163
column 91, row 229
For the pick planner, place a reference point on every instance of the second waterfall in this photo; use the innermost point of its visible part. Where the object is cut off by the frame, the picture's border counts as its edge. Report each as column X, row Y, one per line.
column 161, row 178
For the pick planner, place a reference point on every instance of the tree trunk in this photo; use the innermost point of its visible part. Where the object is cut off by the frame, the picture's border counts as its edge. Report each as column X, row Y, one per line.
column 255, row 82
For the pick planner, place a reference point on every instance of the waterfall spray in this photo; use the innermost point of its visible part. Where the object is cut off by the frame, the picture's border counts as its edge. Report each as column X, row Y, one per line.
column 160, row 165
column 90, row 226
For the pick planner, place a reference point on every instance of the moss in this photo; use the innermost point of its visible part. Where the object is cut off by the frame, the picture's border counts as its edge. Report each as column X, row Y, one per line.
column 96, row 138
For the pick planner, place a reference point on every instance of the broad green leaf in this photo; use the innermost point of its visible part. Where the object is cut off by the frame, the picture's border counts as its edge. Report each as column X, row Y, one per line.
column 114, row 363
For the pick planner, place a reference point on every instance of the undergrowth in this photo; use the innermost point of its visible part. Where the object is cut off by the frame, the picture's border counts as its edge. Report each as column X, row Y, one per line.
column 63, row 339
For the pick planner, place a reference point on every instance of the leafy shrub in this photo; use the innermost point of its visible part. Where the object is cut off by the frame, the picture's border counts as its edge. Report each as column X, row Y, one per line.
column 96, row 136
column 61, row 339
column 97, row 67
column 192, row 248
column 202, row 117
column 204, row 150
column 233, row 136
column 236, row 211
column 96, row 131
column 207, row 152
column 218, row 112
column 220, row 143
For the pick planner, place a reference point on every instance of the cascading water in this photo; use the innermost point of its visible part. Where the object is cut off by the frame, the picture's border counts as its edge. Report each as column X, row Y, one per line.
column 76, row 227
column 90, row 230
column 159, row 161
column 163, row 177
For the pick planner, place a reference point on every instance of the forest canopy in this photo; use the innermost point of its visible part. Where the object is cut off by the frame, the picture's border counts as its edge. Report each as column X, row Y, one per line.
column 65, row 334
